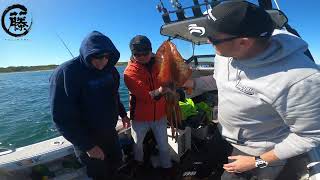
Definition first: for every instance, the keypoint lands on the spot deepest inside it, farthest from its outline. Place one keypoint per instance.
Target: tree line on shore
(38, 68)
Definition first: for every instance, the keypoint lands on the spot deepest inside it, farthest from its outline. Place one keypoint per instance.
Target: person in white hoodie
(269, 90)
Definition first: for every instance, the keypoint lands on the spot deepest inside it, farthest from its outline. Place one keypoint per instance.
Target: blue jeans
(139, 130)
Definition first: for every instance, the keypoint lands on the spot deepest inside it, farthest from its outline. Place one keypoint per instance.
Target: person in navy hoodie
(85, 105)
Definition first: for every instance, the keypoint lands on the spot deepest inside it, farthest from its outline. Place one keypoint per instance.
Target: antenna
(64, 44)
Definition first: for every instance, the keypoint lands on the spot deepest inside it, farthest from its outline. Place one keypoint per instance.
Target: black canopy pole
(267, 4)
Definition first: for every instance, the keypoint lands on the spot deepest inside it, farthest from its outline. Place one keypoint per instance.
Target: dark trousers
(268, 173)
(103, 169)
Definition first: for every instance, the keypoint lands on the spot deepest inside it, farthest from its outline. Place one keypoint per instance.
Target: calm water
(24, 108)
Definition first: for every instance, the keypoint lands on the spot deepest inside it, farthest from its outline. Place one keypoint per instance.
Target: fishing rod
(275, 1)
(65, 45)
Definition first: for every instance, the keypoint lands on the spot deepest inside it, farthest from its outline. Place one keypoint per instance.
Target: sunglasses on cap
(100, 56)
(141, 54)
(214, 41)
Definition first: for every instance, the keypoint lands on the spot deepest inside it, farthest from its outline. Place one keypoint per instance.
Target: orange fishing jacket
(140, 80)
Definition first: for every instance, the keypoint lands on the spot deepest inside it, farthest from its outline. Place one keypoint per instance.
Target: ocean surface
(24, 108)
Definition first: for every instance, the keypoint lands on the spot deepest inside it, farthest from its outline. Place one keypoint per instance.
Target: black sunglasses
(141, 54)
(100, 56)
(214, 41)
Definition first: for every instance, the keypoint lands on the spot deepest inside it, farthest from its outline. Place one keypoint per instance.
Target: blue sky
(120, 20)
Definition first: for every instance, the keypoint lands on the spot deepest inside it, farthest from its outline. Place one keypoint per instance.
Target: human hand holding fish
(161, 91)
(173, 73)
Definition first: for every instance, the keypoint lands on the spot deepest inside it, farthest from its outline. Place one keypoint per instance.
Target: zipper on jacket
(152, 87)
(229, 61)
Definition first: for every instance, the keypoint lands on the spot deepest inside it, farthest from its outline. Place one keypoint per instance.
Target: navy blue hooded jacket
(84, 100)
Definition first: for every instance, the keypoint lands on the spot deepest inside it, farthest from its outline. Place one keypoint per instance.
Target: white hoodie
(271, 101)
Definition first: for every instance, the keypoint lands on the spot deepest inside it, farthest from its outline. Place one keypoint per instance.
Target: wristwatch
(260, 163)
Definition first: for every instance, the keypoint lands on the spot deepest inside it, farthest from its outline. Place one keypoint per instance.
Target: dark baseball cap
(140, 44)
(239, 18)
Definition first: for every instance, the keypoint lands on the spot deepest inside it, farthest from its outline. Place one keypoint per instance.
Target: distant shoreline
(38, 68)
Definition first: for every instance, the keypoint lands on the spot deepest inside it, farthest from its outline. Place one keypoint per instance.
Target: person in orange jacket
(147, 107)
